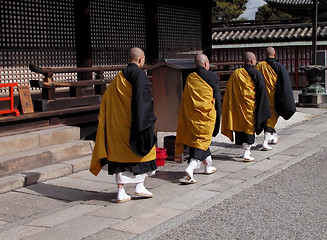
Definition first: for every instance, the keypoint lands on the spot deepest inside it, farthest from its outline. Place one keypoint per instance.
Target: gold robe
(270, 81)
(238, 105)
(197, 115)
(113, 133)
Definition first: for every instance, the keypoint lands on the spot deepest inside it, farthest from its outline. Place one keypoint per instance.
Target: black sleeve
(284, 99)
(142, 135)
(217, 96)
(262, 111)
(212, 79)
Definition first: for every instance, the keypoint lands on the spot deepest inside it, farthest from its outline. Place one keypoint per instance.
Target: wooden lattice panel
(180, 31)
(116, 26)
(39, 32)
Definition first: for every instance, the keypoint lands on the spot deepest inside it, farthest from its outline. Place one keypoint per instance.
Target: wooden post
(296, 68)
(83, 37)
(314, 32)
(151, 28)
(206, 6)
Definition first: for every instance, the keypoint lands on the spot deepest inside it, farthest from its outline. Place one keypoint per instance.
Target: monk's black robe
(284, 99)
(210, 91)
(125, 135)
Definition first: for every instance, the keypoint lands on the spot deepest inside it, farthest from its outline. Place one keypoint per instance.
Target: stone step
(28, 177)
(27, 140)
(43, 156)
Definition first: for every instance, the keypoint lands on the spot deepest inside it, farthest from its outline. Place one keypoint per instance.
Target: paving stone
(279, 157)
(245, 174)
(111, 234)
(158, 179)
(14, 211)
(21, 161)
(128, 209)
(146, 220)
(287, 142)
(63, 215)
(20, 232)
(70, 150)
(168, 191)
(104, 198)
(60, 193)
(15, 205)
(223, 185)
(59, 135)
(204, 179)
(294, 151)
(81, 163)
(3, 222)
(231, 166)
(261, 155)
(47, 172)
(25, 142)
(190, 199)
(320, 137)
(77, 228)
(9, 183)
(304, 135)
(103, 176)
(172, 166)
(318, 128)
(30, 200)
(81, 184)
(168, 176)
(265, 165)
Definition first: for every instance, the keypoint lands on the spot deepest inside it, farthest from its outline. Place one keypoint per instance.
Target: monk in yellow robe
(245, 106)
(125, 136)
(199, 117)
(280, 95)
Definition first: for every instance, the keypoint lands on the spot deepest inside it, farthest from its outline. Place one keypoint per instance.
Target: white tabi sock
(209, 161)
(194, 164)
(122, 194)
(139, 188)
(267, 137)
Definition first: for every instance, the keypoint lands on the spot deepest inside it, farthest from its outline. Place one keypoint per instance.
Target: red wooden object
(10, 98)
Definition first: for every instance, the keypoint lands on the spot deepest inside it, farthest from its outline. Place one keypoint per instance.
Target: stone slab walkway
(81, 206)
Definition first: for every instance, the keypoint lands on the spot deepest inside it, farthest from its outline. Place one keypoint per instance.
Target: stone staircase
(40, 154)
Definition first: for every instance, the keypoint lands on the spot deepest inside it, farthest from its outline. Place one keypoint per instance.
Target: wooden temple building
(48, 42)
(67, 51)
(292, 38)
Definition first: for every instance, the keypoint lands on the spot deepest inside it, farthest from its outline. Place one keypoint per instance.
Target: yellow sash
(197, 115)
(270, 81)
(238, 105)
(112, 140)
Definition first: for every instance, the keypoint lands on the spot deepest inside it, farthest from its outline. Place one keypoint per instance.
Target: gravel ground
(289, 205)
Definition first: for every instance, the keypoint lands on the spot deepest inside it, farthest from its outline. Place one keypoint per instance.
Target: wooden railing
(11, 109)
(77, 92)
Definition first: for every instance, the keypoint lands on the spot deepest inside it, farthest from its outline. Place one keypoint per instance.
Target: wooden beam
(83, 37)
(151, 29)
(314, 32)
(206, 6)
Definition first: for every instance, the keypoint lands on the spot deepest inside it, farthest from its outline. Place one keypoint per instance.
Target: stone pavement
(81, 206)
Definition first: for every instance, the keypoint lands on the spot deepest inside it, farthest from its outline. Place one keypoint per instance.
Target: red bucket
(161, 154)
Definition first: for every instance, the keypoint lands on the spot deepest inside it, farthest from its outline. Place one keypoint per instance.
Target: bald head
(249, 58)
(270, 52)
(201, 60)
(136, 55)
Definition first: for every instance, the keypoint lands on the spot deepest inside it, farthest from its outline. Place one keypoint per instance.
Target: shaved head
(249, 58)
(201, 60)
(270, 52)
(136, 55)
